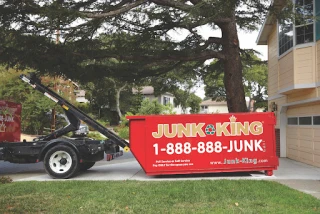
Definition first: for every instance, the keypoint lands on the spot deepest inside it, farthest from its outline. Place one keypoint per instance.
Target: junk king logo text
(232, 128)
(202, 130)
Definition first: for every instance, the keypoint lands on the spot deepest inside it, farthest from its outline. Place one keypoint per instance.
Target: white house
(164, 99)
(211, 106)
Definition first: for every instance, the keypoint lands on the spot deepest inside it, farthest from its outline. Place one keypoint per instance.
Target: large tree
(139, 37)
(255, 80)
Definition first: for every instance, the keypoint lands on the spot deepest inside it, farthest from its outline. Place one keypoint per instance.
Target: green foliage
(129, 40)
(149, 107)
(124, 121)
(35, 106)
(85, 107)
(96, 136)
(186, 99)
(194, 103)
(124, 132)
(105, 93)
(255, 79)
(136, 102)
(213, 80)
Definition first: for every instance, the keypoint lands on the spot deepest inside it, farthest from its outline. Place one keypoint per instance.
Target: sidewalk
(294, 174)
(299, 176)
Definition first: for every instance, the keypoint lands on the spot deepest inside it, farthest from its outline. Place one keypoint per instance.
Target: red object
(204, 143)
(10, 121)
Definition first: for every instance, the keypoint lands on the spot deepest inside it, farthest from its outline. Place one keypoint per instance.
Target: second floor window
(302, 31)
(304, 22)
(285, 36)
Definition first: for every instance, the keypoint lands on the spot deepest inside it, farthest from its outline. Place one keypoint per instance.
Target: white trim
(283, 132)
(316, 99)
(285, 53)
(305, 45)
(263, 25)
(299, 86)
(276, 97)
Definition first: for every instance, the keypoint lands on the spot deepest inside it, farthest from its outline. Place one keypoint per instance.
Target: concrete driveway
(294, 174)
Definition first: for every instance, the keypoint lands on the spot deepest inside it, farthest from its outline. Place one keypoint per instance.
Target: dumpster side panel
(183, 144)
(10, 121)
(137, 135)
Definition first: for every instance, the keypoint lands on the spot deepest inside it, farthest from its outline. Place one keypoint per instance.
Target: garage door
(303, 143)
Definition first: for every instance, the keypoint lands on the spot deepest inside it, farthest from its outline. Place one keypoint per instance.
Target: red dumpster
(10, 128)
(204, 143)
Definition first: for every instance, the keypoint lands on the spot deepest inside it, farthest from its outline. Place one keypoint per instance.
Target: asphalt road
(12, 169)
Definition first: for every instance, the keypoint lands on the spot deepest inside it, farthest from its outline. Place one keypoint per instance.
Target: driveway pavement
(294, 174)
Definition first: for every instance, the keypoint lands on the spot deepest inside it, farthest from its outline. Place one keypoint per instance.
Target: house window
(285, 35)
(292, 121)
(316, 120)
(304, 22)
(204, 108)
(302, 31)
(166, 100)
(305, 120)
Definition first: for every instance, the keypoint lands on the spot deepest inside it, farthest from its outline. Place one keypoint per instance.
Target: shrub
(154, 107)
(96, 136)
(124, 132)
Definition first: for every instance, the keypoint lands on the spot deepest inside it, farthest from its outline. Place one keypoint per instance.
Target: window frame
(302, 25)
(166, 100)
(278, 42)
(298, 123)
(295, 45)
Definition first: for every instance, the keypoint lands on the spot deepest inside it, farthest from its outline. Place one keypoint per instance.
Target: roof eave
(268, 24)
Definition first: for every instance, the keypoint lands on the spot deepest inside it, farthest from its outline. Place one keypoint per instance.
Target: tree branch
(194, 2)
(114, 12)
(176, 56)
(215, 40)
(174, 4)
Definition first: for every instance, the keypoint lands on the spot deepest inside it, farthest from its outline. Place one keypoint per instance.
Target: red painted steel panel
(203, 143)
(10, 121)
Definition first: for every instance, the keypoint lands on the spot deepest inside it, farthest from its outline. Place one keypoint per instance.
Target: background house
(164, 99)
(211, 106)
(294, 80)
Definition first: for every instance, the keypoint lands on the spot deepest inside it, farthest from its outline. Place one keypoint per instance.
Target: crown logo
(232, 118)
(2, 127)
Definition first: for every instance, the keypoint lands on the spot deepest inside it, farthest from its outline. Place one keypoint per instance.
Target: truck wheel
(86, 165)
(61, 161)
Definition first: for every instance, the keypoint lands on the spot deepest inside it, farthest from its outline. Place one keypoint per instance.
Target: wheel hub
(63, 161)
(60, 162)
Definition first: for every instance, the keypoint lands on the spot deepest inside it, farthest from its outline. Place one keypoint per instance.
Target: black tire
(86, 165)
(61, 161)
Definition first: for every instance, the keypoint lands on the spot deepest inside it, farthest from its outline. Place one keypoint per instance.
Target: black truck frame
(63, 157)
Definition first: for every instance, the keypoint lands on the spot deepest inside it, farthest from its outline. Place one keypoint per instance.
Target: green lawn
(203, 196)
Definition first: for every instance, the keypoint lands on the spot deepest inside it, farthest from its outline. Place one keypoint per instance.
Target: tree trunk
(233, 68)
(118, 91)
